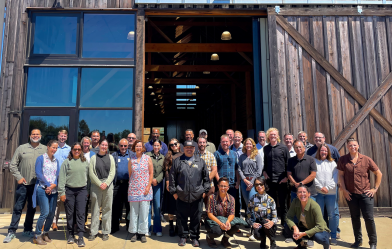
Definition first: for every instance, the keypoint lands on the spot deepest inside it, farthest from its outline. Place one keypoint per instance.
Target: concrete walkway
(240, 241)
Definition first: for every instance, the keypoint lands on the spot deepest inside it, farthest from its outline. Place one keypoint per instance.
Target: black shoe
(143, 238)
(356, 244)
(373, 246)
(71, 239)
(91, 237)
(105, 237)
(80, 242)
(273, 245)
(195, 243)
(133, 237)
(182, 242)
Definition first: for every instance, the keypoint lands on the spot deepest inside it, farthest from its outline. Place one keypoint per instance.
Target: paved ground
(240, 241)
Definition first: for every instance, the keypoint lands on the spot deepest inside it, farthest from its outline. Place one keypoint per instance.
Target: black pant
(23, 193)
(76, 199)
(262, 232)
(120, 198)
(193, 211)
(215, 231)
(362, 203)
(279, 192)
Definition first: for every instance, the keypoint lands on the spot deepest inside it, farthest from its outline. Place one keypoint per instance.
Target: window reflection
(111, 124)
(108, 36)
(51, 86)
(49, 126)
(55, 34)
(106, 87)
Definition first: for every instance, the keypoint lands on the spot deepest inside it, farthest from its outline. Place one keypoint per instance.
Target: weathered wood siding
(307, 98)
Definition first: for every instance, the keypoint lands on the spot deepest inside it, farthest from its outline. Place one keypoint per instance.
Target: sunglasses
(123, 145)
(259, 185)
(131, 138)
(175, 144)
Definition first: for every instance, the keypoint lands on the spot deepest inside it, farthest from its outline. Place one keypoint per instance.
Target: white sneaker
(148, 234)
(159, 234)
(252, 238)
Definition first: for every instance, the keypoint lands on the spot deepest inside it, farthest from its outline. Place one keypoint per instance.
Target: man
(288, 141)
(131, 139)
(261, 139)
(304, 138)
(210, 146)
(120, 188)
(189, 183)
(227, 163)
(230, 134)
(276, 156)
(189, 137)
(61, 154)
(95, 137)
(301, 169)
(22, 167)
(149, 145)
(210, 161)
(237, 144)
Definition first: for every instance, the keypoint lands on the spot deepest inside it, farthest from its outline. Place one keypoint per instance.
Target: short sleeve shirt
(356, 176)
(210, 161)
(301, 169)
(221, 208)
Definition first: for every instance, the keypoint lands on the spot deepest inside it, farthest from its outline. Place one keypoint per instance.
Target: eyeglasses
(223, 186)
(259, 185)
(77, 149)
(131, 138)
(175, 144)
(123, 145)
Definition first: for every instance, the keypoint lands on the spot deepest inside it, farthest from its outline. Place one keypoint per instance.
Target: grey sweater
(250, 167)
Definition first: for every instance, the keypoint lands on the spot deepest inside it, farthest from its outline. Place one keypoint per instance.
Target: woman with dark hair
(261, 214)
(311, 223)
(73, 190)
(220, 204)
(169, 203)
(47, 169)
(102, 170)
(326, 182)
(141, 173)
(157, 187)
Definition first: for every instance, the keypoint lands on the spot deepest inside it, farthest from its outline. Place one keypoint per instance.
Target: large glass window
(108, 35)
(106, 87)
(55, 34)
(49, 126)
(51, 86)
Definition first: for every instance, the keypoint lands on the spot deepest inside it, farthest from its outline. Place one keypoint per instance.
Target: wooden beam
(249, 113)
(139, 73)
(233, 107)
(363, 112)
(338, 11)
(159, 31)
(199, 47)
(186, 81)
(246, 58)
(198, 68)
(205, 12)
(202, 24)
(233, 80)
(332, 71)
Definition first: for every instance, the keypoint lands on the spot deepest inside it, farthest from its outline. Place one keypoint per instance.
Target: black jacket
(189, 182)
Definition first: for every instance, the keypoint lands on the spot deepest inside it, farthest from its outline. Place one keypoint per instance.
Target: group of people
(179, 178)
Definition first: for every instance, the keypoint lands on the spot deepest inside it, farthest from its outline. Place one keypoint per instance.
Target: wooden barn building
(130, 65)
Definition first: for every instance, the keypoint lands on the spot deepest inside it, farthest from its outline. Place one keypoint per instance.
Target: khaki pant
(101, 199)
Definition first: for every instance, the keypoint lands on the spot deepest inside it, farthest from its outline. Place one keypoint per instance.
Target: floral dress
(49, 169)
(139, 180)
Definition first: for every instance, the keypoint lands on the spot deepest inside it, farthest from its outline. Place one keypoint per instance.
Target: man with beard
(210, 146)
(189, 137)
(149, 145)
(22, 167)
(95, 137)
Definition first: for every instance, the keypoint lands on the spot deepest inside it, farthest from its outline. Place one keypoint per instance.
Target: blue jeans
(247, 194)
(156, 202)
(329, 202)
(337, 209)
(47, 204)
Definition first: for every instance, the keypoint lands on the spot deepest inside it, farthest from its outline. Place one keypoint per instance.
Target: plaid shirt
(227, 164)
(221, 208)
(210, 161)
(261, 206)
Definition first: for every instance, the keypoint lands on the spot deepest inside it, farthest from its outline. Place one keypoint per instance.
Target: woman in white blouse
(326, 185)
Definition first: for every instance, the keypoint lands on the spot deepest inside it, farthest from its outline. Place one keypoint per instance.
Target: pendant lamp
(226, 36)
(215, 57)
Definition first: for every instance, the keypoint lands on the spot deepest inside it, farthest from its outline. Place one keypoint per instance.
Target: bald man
(149, 145)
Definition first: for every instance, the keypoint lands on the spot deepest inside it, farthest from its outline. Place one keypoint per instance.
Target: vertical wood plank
(126, 3)
(233, 107)
(113, 3)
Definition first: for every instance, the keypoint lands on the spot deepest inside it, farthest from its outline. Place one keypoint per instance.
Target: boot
(171, 229)
(38, 240)
(273, 245)
(225, 242)
(46, 237)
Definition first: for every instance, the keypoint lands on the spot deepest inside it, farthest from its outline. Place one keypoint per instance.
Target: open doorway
(186, 88)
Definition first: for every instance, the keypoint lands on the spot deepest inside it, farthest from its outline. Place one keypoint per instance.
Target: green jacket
(158, 165)
(313, 216)
(93, 173)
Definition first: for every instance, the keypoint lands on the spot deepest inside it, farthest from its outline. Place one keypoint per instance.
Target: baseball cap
(202, 130)
(188, 143)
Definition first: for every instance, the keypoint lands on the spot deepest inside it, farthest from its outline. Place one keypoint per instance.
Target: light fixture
(197, 87)
(193, 94)
(215, 57)
(226, 36)
(156, 104)
(206, 72)
(155, 99)
(146, 72)
(159, 96)
(150, 87)
(131, 35)
(152, 93)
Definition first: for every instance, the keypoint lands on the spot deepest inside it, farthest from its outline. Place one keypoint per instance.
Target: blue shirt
(334, 152)
(122, 166)
(149, 147)
(62, 153)
(237, 151)
(227, 164)
(259, 146)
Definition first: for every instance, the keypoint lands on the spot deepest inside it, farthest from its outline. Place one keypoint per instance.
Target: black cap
(188, 143)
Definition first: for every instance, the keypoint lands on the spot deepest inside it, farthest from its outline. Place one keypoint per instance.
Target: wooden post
(249, 114)
(233, 108)
(139, 75)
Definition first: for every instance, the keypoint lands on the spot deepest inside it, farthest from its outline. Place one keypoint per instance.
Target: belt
(249, 178)
(121, 181)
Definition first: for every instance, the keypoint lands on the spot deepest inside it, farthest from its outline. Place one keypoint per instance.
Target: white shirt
(292, 152)
(327, 176)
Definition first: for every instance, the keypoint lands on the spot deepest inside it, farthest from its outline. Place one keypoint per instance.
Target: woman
(220, 204)
(311, 225)
(326, 184)
(261, 214)
(157, 187)
(86, 146)
(47, 169)
(354, 182)
(102, 170)
(250, 166)
(169, 203)
(73, 190)
(141, 173)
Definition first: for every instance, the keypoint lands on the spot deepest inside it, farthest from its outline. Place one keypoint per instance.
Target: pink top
(139, 180)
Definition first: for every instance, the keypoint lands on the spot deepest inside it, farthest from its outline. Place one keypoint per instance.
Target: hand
(103, 186)
(324, 190)
(347, 195)
(147, 190)
(204, 195)
(167, 186)
(371, 192)
(265, 175)
(228, 225)
(48, 190)
(246, 182)
(154, 182)
(284, 180)
(299, 236)
(63, 198)
(296, 184)
(175, 196)
(22, 181)
(256, 225)
(237, 185)
(222, 226)
(52, 185)
(295, 232)
(269, 224)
